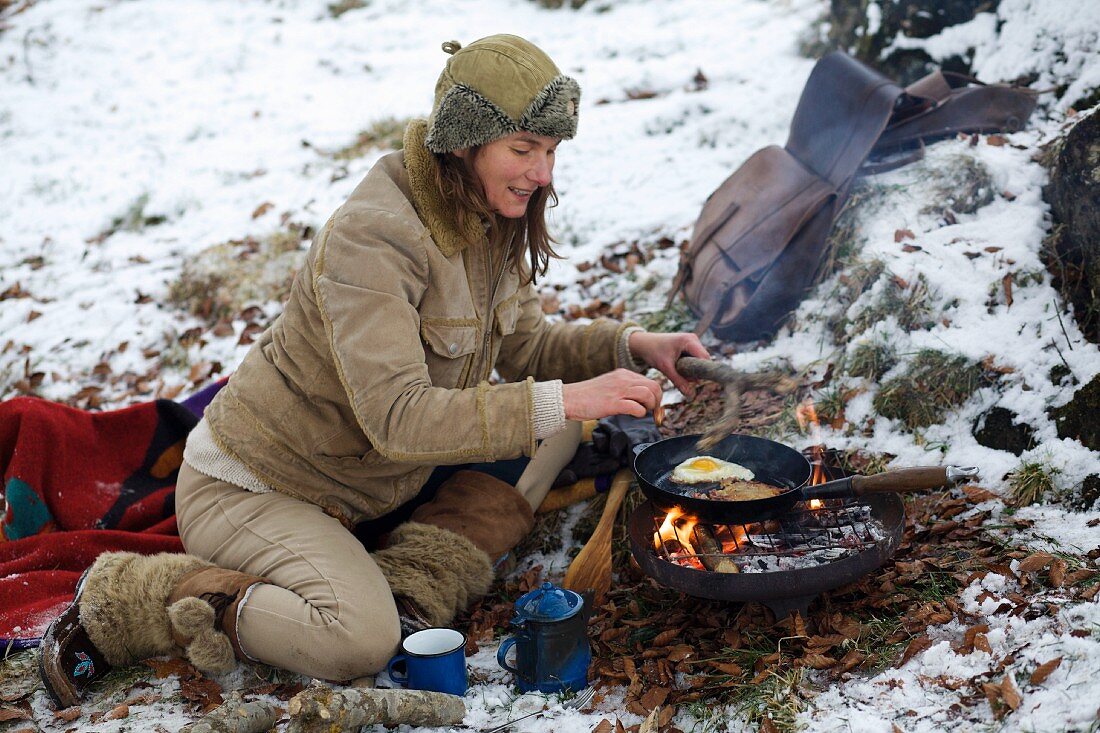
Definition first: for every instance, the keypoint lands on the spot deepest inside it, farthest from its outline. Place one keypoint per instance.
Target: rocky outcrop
(999, 429)
(1077, 418)
(866, 28)
(1073, 249)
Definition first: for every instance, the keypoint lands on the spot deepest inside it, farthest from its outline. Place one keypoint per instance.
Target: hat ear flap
(464, 119)
(553, 112)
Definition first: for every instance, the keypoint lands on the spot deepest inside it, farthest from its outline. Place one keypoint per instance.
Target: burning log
(710, 547)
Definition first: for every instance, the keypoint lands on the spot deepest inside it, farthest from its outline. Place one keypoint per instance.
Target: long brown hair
(526, 240)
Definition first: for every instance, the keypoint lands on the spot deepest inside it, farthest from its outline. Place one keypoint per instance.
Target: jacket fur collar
(438, 215)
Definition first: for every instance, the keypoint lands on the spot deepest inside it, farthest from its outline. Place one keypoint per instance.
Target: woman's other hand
(621, 392)
(661, 350)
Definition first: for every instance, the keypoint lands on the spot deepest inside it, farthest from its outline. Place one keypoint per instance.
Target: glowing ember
(816, 503)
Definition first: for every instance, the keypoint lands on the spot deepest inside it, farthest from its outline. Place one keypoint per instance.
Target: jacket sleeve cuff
(626, 359)
(549, 408)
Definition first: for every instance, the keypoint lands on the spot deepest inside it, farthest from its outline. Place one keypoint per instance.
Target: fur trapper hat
(496, 86)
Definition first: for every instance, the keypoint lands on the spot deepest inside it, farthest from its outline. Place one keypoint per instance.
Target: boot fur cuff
(438, 570)
(123, 604)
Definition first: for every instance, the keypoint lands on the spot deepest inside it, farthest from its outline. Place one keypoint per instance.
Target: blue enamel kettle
(551, 641)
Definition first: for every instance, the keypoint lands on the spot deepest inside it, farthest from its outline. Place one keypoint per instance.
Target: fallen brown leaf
(767, 726)
(649, 725)
(8, 712)
(654, 697)
(663, 638)
(1006, 283)
(680, 652)
(604, 726)
(118, 713)
(818, 661)
(851, 660)
(203, 692)
(68, 714)
(916, 646)
(1009, 693)
(729, 668)
(1035, 562)
(900, 234)
(1058, 573)
(174, 666)
(1044, 670)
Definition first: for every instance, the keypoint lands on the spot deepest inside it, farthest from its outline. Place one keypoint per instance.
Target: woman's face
(512, 168)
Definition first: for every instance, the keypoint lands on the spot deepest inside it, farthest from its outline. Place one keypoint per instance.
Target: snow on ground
(193, 113)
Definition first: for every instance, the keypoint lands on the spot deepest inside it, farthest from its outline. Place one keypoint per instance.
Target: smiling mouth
(522, 193)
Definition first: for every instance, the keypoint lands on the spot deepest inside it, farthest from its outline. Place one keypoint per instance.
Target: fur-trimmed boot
(443, 558)
(129, 607)
(433, 574)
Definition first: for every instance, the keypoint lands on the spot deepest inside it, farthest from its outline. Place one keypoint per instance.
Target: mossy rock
(1077, 418)
(1073, 250)
(999, 429)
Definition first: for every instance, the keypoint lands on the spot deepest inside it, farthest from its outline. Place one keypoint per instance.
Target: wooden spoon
(591, 568)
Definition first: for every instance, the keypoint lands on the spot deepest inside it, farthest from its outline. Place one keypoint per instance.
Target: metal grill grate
(839, 528)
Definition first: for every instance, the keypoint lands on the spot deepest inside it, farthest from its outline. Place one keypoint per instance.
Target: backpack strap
(960, 103)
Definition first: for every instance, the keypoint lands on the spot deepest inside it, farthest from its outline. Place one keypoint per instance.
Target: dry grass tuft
(339, 8)
(933, 383)
(1031, 482)
(221, 281)
(962, 186)
(385, 134)
(912, 305)
(555, 4)
(870, 360)
(677, 317)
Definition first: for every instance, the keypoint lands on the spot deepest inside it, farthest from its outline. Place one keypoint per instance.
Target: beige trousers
(327, 612)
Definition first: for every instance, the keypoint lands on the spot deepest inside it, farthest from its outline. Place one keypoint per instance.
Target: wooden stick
(733, 383)
(591, 568)
(710, 547)
(319, 708)
(236, 716)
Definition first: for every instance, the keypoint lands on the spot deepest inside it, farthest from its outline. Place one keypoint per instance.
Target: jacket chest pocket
(506, 315)
(450, 350)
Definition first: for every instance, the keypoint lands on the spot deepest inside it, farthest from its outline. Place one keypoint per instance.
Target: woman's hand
(621, 392)
(661, 350)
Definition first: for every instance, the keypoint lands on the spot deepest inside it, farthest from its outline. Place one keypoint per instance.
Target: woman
(376, 375)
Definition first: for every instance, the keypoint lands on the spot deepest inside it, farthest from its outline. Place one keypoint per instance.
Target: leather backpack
(761, 236)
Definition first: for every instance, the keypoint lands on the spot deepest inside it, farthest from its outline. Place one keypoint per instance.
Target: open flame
(676, 531)
(806, 416)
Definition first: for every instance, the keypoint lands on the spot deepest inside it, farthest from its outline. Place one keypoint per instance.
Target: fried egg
(700, 469)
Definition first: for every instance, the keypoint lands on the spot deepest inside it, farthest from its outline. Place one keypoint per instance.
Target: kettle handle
(502, 652)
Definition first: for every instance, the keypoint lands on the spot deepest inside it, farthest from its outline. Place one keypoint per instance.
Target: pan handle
(912, 479)
(893, 482)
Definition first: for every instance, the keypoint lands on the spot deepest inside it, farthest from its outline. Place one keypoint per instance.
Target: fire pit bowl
(781, 590)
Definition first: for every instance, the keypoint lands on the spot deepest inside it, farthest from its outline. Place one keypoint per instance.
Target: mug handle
(502, 652)
(400, 679)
